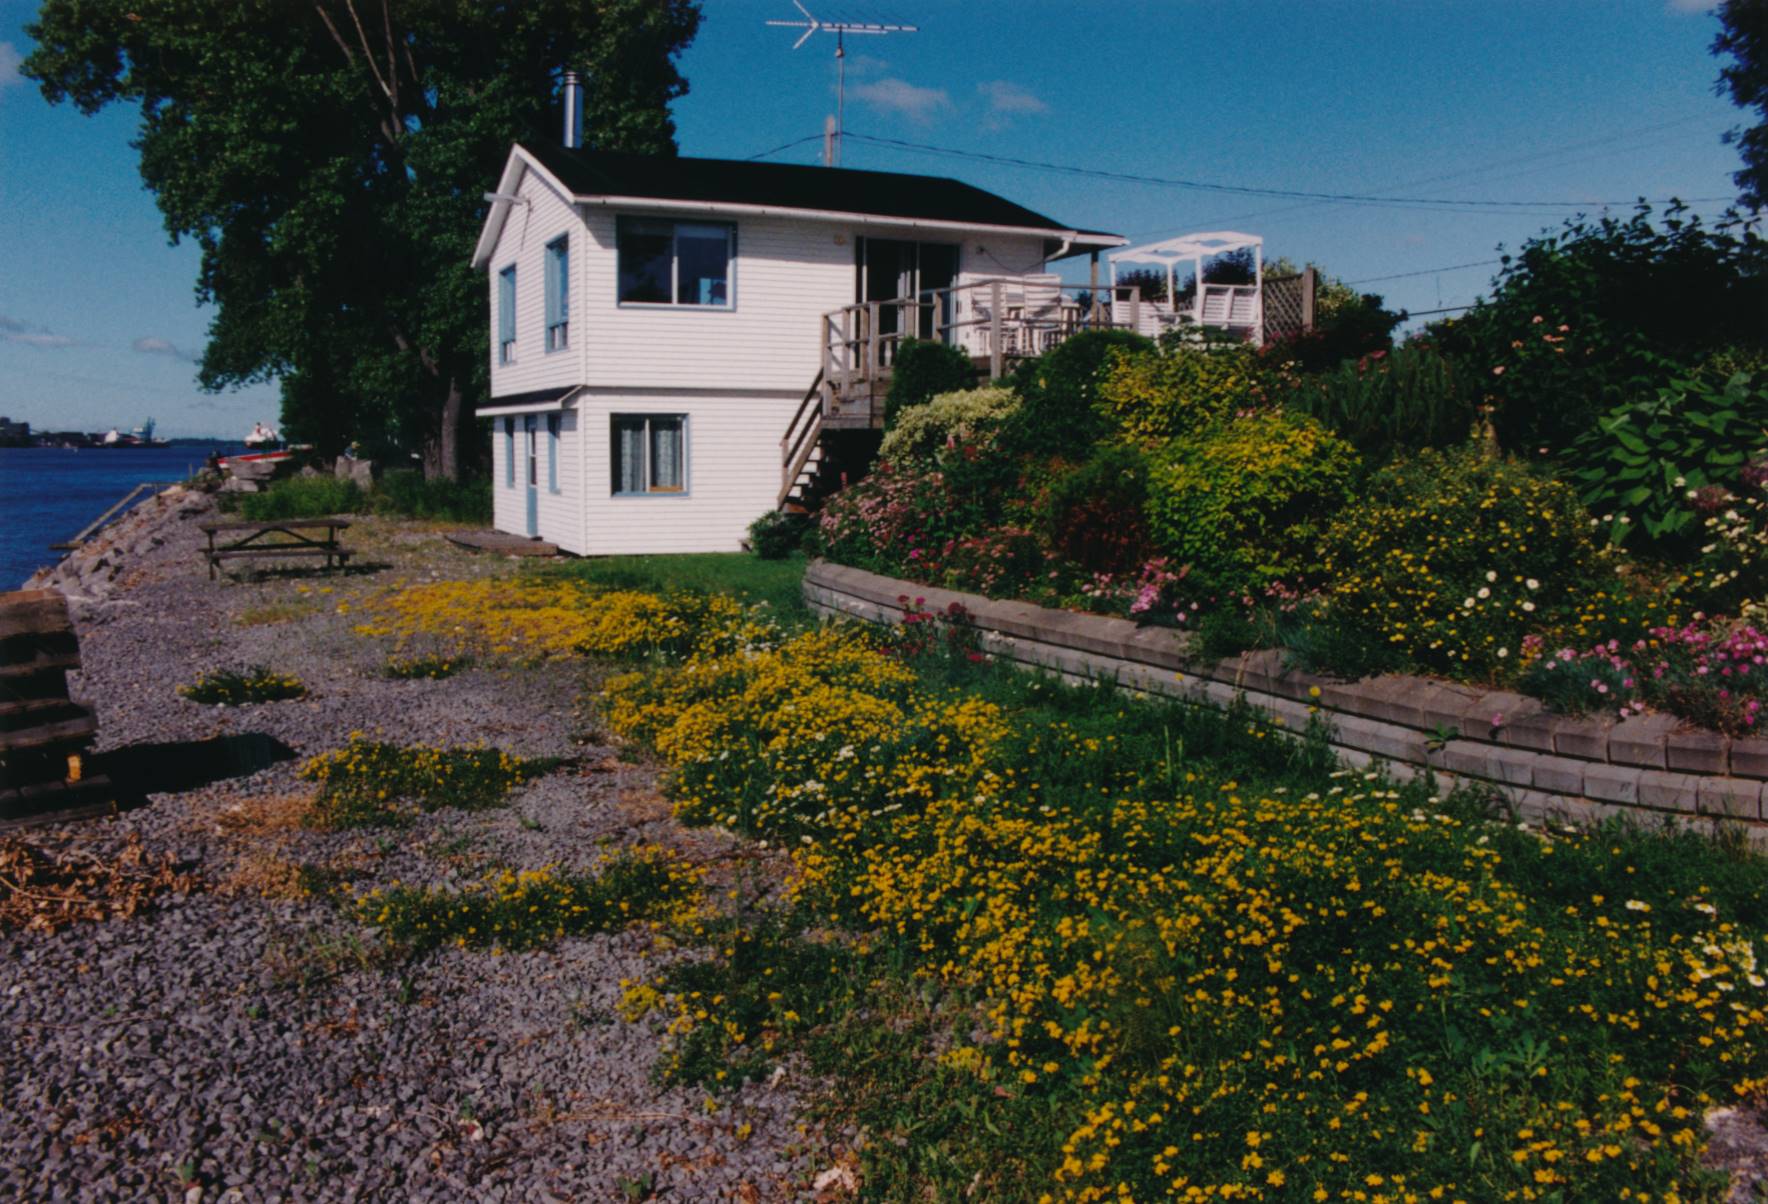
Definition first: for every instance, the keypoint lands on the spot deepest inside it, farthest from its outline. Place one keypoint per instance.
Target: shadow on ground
(138, 770)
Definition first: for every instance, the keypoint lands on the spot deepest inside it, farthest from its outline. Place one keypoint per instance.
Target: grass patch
(370, 783)
(238, 687)
(778, 583)
(402, 493)
(511, 910)
(433, 668)
(269, 614)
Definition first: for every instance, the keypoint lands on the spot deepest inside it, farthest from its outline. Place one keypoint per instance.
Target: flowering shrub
(1156, 397)
(1315, 986)
(434, 668)
(511, 909)
(1094, 517)
(537, 617)
(923, 431)
(370, 782)
(1735, 556)
(1007, 562)
(1387, 403)
(1454, 558)
(1715, 678)
(238, 687)
(1244, 503)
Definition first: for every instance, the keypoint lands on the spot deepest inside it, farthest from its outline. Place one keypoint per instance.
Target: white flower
(1532, 583)
(1528, 606)
(1484, 592)
(1637, 905)
(1467, 602)
(1503, 652)
(1680, 482)
(1491, 575)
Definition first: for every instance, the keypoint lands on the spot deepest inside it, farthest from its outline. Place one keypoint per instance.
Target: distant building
(14, 434)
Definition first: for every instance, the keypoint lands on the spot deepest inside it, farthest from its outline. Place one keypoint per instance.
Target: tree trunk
(442, 449)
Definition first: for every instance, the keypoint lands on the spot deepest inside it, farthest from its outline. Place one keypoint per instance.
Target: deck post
(846, 354)
(1136, 306)
(873, 359)
(1093, 291)
(1309, 282)
(995, 357)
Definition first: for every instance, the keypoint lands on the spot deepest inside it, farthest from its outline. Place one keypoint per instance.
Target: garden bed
(1547, 765)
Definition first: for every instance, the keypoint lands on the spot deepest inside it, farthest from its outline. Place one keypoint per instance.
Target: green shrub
(303, 497)
(1586, 317)
(777, 534)
(1453, 558)
(1059, 389)
(237, 687)
(407, 494)
(1243, 502)
(1168, 395)
(1389, 403)
(922, 371)
(922, 431)
(1638, 467)
(1095, 516)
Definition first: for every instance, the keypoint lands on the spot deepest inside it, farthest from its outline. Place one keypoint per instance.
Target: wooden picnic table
(297, 538)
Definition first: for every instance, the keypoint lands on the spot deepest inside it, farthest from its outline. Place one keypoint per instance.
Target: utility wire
(1480, 263)
(784, 146)
(1348, 198)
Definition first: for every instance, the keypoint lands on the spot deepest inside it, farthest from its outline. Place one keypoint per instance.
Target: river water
(49, 493)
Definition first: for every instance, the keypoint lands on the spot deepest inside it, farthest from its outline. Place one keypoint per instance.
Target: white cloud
(920, 105)
(23, 333)
(152, 346)
(1011, 99)
(10, 59)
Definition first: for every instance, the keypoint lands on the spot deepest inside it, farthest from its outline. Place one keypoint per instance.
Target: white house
(675, 342)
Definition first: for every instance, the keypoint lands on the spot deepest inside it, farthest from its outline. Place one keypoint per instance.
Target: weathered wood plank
(36, 612)
(75, 731)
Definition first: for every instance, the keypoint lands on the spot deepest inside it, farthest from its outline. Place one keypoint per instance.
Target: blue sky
(1513, 100)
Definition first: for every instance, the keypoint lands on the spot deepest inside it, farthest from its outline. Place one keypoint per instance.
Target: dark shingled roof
(786, 186)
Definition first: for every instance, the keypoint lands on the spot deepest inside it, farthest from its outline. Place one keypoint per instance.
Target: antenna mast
(811, 25)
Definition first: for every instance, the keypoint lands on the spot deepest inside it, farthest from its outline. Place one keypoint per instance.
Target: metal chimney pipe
(573, 111)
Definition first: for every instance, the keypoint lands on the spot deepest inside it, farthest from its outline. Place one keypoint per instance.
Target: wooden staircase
(831, 439)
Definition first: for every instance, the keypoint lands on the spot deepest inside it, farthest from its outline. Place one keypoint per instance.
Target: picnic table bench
(298, 537)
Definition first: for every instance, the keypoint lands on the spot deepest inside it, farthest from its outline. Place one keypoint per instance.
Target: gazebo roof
(1187, 246)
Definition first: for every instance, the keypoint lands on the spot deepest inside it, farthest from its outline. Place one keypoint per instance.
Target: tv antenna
(812, 26)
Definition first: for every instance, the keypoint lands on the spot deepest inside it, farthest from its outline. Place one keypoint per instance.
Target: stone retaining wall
(1548, 766)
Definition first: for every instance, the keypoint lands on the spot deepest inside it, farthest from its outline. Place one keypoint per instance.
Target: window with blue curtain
(649, 454)
(509, 453)
(558, 294)
(506, 315)
(552, 453)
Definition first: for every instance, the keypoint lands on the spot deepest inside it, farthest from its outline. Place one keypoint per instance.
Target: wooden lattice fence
(1289, 305)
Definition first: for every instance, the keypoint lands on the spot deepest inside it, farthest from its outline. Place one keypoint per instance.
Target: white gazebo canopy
(1195, 249)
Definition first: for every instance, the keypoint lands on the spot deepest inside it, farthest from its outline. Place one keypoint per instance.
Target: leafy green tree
(1743, 35)
(330, 159)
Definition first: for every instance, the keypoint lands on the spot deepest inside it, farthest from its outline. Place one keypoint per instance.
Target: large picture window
(675, 263)
(650, 454)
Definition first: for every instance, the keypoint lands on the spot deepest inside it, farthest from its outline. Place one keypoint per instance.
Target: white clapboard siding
(561, 513)
(523, 242)
(507, 502)
(733, 471)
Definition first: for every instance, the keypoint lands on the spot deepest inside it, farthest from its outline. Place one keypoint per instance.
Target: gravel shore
(242, 1043)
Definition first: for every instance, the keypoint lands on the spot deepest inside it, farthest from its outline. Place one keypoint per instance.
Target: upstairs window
(558, 294)
(675, 263)
(650, 454)
(506, 315)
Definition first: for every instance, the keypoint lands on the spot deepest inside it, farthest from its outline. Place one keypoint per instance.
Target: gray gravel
(233, 1046)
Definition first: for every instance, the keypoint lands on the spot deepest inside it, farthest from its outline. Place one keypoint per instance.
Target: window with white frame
(506, 315)
(666, 262)
(650, 454)
(558, 294)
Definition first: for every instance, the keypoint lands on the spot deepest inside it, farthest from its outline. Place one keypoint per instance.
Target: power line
(1447, 309)
(1343, 198)
(785, 146)
(1480, 263)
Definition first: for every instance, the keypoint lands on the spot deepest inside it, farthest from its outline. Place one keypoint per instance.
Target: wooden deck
(502, 542)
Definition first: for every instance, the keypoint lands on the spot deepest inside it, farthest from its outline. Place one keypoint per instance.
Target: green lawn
(775, 582)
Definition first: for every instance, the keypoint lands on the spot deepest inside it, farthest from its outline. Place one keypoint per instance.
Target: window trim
(506, 347)
(554, 428)
(687, 480)
(621, 221)
(558, 271)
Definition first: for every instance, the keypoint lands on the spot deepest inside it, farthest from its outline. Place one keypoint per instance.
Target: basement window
(650, 454)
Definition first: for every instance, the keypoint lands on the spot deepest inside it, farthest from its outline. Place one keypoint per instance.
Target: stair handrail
(799, 441)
